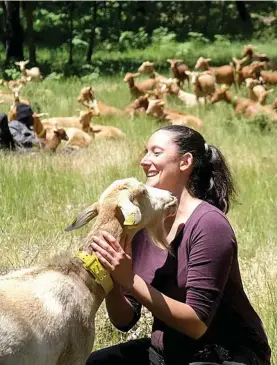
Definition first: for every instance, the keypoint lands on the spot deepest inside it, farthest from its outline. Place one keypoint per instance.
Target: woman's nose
(145, 161)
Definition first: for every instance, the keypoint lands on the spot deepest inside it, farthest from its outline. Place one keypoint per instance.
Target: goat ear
(86, 216)
(131, 213)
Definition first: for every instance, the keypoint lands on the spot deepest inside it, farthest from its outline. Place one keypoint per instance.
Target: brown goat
(135, 90)
(87, 98)
(251, 71)
(223, 74)
(256, 90)
(148, 68)
(179, 71)
(156, 108)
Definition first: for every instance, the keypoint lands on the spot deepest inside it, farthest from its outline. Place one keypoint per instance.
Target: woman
(201, 312)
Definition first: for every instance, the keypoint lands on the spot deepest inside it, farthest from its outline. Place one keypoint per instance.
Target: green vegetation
(41, 193)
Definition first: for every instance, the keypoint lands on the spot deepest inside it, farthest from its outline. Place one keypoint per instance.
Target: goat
(87, 98)
(257, 91)
(239, 104)
(223, 74)
(148, 68)
(139, 105)
(203, 84)
(243, 72)
(53, 138)
(33, 74)
(82, 121)
(14, 97)
(179, 71)
(78, 138)
(135, 90)
(156, 108)
(251, 55)
(107, 132)
(269, 77)
(47, 312)
(188, 99)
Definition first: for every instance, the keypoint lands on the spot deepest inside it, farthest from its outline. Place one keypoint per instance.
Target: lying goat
(47, 312)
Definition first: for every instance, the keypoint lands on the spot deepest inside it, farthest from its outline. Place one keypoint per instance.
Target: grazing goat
(148, 68)
(203, 84)
(223, 74)
(33, 74)
(47, 312)
(257, 91)
(156, 108)
(87, 98)
(188, 99)
(82, 121)
(179, 71)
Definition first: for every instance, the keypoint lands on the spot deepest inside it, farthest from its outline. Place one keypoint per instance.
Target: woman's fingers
(113, 242)
(104, 262)
(102, 248)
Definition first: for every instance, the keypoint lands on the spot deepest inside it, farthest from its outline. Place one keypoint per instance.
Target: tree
(28, 8)
(247, 25)
(92, 33)
(14, 40)
(71, 11)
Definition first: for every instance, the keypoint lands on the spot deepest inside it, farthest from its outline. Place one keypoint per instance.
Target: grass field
(41, 193)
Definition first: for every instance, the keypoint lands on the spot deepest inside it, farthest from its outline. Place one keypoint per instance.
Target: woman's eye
(157, 153)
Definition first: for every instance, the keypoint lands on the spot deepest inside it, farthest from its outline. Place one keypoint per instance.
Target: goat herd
(209, 84)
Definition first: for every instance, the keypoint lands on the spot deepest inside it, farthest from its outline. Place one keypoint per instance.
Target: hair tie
(206, 147)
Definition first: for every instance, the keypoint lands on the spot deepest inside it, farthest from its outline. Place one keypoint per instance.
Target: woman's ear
(186, 161)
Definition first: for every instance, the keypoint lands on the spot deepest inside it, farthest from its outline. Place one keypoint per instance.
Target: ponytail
(210, 179)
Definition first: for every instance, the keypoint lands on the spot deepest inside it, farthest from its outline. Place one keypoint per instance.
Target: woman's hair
(210, 179)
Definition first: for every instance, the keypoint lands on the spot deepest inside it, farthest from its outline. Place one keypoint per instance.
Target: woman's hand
(112, 256)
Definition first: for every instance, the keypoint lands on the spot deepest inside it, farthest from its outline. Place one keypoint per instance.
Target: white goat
(47, 312)
(32, 74)
(171, 86)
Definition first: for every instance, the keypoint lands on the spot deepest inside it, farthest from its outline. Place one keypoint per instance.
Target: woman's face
(162, 162)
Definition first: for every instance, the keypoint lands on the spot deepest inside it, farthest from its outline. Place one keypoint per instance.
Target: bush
(163, 36)
(130, 40)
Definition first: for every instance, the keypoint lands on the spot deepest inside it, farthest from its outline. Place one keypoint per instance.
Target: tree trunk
(3, 27)
(247, 25)
(92, 34)
(29, 7)
(14, 44)
(207, 12)
(71, 10)
(223, 11)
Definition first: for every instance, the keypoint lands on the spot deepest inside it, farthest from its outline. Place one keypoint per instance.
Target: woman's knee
(134, 352)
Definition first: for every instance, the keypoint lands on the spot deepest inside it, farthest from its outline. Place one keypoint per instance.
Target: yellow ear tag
(130, 220)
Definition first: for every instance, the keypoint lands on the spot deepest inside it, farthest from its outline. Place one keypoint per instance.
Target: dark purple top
(203, 271)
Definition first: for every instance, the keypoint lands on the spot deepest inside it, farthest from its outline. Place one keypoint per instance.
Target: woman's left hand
(112, 256)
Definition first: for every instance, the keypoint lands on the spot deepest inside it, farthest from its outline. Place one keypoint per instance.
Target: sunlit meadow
(41, 193)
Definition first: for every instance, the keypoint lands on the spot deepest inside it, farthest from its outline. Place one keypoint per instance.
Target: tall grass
(40, 194)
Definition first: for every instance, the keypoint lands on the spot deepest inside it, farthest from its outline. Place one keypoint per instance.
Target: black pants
(135, 352)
